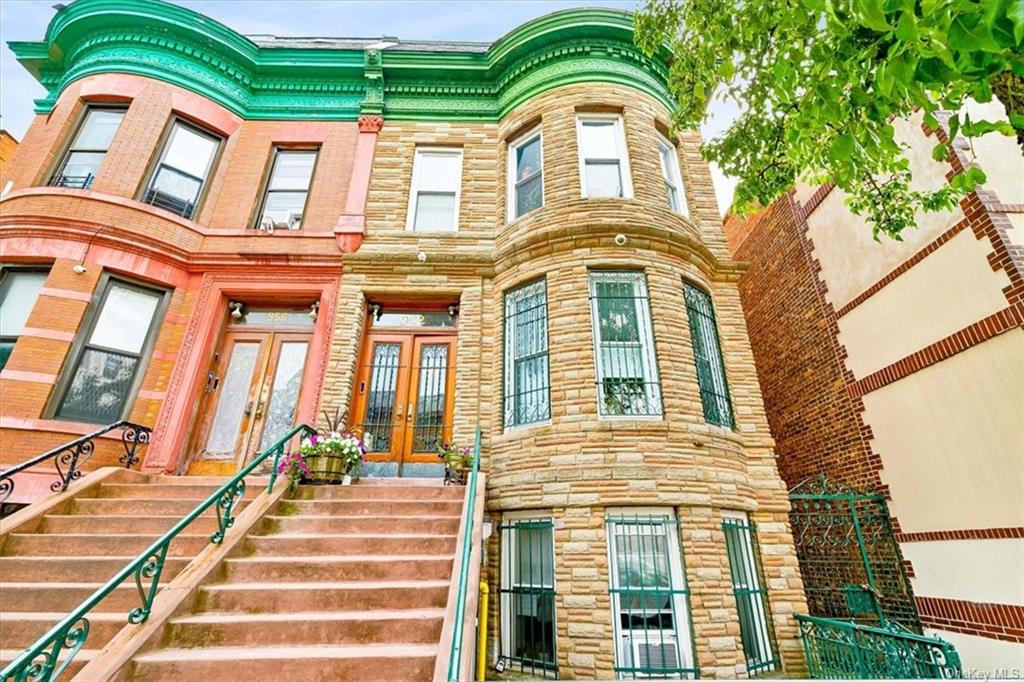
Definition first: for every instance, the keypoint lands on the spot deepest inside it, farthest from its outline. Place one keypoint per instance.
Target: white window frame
(505, 579)
(414, 188)
(513, 146)
(680, 602)
(621, 149)
(754, 568)
(511, 387)
(673, 175)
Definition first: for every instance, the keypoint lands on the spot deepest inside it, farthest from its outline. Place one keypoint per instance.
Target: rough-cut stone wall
(578, 466)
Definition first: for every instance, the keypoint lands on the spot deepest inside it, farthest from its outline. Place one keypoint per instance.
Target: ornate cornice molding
(164, 41)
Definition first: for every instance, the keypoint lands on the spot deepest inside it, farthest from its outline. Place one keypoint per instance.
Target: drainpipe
(481, 636)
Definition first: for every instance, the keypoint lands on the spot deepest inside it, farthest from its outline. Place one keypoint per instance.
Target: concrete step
(243, 597)
(23, 629)
(318, 544)
(80, 659)
(340, 525)
(139, 507)
(64, 596)
(327, 568)
(355, 663)
(99, 524)
(69, 569)
(47, 544)
(380, 492)
(369, 507)
(156, 490)
(302, 628)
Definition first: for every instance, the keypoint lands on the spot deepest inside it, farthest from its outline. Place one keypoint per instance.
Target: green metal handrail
(455, 654)
(837, 649)
(71, 632)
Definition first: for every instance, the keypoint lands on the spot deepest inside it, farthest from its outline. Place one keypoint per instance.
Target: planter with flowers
(457, 463)
(334, 457)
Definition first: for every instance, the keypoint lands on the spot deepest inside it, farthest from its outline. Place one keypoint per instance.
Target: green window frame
(527, 373)
(19, 291)
(707, 353)
(748, 586)
(110, 353)
(628, 384)
(653, 632)
(527, 594)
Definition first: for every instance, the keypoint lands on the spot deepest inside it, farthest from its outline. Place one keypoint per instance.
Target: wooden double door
(405, 395)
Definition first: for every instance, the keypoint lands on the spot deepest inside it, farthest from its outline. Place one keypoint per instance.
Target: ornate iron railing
(68, 458)
(455, 653)
(838, 649)
(42, 662)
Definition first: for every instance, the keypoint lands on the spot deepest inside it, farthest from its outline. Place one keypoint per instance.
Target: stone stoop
(53, 562)
(341, 583)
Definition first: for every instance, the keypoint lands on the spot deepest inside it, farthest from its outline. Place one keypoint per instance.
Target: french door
(404, 395)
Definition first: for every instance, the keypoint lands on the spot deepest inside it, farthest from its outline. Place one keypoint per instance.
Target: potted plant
(295, 469)
(457, 462)
(334, 456)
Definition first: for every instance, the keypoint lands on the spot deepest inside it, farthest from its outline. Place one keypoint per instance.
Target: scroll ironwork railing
(837, 649)
(68, 458)
(42, 662)
(455, 653)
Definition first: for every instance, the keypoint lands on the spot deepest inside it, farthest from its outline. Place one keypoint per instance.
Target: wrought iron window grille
(749, 588)
(527, 375)
(707, 352)
(527, 592)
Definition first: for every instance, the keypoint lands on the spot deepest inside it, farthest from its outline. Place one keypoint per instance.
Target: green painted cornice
(338, 79)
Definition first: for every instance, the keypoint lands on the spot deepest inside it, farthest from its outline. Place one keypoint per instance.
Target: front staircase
(49, 565)
(342, 583)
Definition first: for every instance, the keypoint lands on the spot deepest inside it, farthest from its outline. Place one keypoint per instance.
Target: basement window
(751, 595)
(528, 594)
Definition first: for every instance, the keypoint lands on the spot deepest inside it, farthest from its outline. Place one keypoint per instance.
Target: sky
(475, 20)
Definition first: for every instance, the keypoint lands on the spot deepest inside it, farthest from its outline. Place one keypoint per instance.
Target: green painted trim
(167, 42)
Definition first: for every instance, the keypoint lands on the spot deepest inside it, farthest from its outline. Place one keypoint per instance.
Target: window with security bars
(751, 594)
(183, 169)
(528, 595)
(107, 364)
(707, 352)
(627, 371)
(527, 376)
(88, 148)
(650, 599)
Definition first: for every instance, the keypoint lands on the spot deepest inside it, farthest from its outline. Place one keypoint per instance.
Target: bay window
(604, 163)
(527, 377)
(284, 200)
(627, 371)
(650, 609)
(110, 354)
(436, 186)
(525, 175)
(19, 289)
(88, 148)
(672, 176)
(183, 169)
(707, 353)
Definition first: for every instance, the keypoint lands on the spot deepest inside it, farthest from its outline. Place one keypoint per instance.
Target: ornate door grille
(851, 563)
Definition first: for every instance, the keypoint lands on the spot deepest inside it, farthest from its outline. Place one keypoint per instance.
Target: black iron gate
(851, 563)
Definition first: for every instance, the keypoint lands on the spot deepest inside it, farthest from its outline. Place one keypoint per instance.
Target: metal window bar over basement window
(748, 586)
(707, 351)
(527, 376)
(650, 598)
(627, 370)
(528, 597)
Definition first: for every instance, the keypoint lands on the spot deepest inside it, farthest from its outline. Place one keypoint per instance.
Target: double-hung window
(284, 201)
(707, 352)
(528, 594)
(110, 356)
(183, 169)
(527, 379)
(87, 149)
(650, 599)
(627, 371)
(751, 596)
(525, 175)
(672, 176)
(436, 186)
(604, 163)
(19, 290)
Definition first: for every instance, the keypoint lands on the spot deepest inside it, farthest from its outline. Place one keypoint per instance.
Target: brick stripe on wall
(982, 330)
(995, 621)
(964, 534)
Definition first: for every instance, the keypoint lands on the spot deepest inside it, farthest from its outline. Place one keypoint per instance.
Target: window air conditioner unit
(267, 225)
(652, 650)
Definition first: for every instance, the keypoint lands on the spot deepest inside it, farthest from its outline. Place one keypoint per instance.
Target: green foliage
(820, 81)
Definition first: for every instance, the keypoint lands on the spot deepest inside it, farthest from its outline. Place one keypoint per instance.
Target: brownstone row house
(897, 369)
(219, 237)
